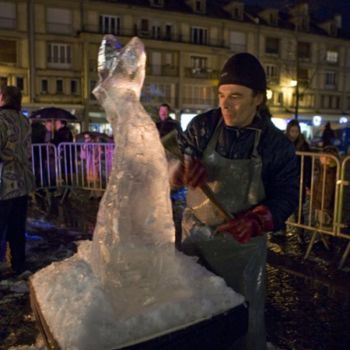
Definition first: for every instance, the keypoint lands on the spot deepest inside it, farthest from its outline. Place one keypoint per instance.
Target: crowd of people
(234, 152)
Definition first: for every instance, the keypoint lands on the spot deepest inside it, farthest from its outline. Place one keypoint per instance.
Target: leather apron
(238, 185)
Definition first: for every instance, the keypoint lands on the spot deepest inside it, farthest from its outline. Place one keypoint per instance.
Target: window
(199, 95)
(59, 86)
(168, 32)
(332, 56)
(303, 24)
(199, 35)
(59, 20)
(303, 77)
(158, 93)
(20, 83)
(8, 15)
(330, 101)
(271, 72)
(168, 58)
(92, 86)
(74, 87)
(272, 46)
(330, 79)
(59, 54)
(44, 86)
(109, 24)
(199, 6)
(144, 27)
(237, 42)
(273, 18)
(198, 63)
(305, 100)
(156, 32)
(304, 50)
(8, 51)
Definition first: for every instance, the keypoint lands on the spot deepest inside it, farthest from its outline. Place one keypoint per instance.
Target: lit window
(332, 56)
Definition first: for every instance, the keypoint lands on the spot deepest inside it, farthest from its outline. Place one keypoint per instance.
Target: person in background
(62, 133)
(166, 125)
(293, 132)
(251, 168)
(90, 155)
(328, 135)
(65, 152)
(17, 180)
(324, 189)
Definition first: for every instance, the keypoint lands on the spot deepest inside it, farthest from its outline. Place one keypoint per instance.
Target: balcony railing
(147, 34)
(201, 73)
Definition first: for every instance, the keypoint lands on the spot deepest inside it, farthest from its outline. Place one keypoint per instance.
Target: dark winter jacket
(62, 135)
(166, 126)
(15, 151)
(280, 167)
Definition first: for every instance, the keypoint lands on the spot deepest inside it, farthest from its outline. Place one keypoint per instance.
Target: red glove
(249, 224)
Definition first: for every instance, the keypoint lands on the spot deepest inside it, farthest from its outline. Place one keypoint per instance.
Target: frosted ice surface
(129, 283)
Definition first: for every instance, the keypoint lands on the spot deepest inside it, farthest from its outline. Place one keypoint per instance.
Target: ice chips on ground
(81, 315)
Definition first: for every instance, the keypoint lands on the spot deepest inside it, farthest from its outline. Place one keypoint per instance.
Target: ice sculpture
(129, 283)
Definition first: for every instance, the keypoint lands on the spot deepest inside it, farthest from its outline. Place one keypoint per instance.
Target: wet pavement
(308, 302)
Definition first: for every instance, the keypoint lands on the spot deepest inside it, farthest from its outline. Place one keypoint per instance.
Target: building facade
(49, 48)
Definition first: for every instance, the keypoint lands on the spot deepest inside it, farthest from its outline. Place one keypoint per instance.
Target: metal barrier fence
(85, 165)
(324, 197)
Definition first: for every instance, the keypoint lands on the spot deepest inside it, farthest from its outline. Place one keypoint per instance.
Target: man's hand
(191, 172)
(195, 173)
(249, 224)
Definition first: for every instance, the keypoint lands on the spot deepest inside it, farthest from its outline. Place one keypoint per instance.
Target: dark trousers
(13, 215)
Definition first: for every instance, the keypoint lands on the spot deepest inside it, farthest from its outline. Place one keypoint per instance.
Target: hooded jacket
(279, 169)
(15, 151)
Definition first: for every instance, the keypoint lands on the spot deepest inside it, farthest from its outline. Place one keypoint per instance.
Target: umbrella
(52, 113)
(95, 135)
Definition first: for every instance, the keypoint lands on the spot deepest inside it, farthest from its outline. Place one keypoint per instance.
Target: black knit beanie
(243, 69)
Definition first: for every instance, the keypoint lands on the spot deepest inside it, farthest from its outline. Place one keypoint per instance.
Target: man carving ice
(251, 167)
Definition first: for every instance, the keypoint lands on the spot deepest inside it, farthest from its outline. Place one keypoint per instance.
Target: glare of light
(317, 120)
(343, 120)
(185, 119)
(279, 123)
(293, 83)
(269, 94)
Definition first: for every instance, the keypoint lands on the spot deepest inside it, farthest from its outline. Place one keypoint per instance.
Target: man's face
(163, 112)
(238, 105)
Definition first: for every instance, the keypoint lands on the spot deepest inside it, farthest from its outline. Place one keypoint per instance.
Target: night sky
(321, 9)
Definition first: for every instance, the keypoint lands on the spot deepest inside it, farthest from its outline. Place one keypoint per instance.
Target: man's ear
(259, 98)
